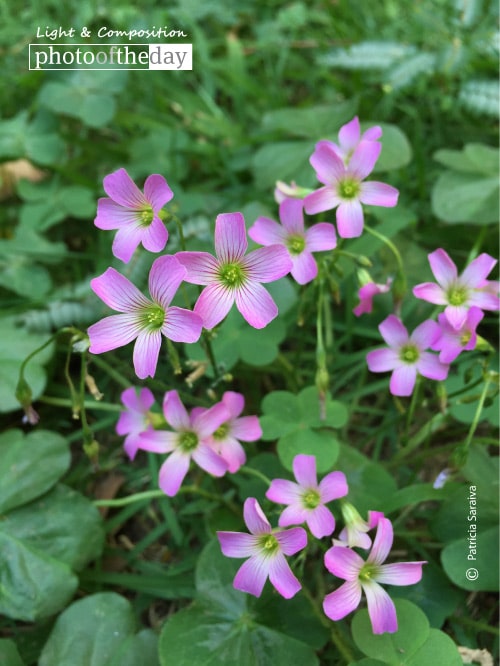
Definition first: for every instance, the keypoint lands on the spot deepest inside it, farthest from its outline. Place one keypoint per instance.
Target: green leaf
(23, 277)
(283, 160)
(322, 445)
(474, 158)
(437, 649)
(336, 413)
(9, 656)
(472, 562)
(422, 492)
(31, 464)
(464, 198)
(312, 123)
(396, 149)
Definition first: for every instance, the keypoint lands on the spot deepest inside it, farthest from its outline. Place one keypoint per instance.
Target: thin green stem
(479, 409)
(251, 471)
(156, 494)
(114, 374)
(389, 244)
(413, 405)
(480, 626)
(64, 402)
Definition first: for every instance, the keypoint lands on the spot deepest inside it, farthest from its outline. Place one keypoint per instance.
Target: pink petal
(402, 573)
(326, 198)
(182, 325)
(425, 334)
(138, 402)
(430, 292)
(321, 237)
(158, 441)
(291, 541)
(304, 267)
(292, 215)
(304, 469)
(146, 352)
(157, 191)
(328, 166)
(477, 271)
(343, 563)
(381, 609)
(267, 264)
(321, 522)
(456, 315)
(207, 422)
(484, 300)
(295, 514)
(238, 544)
(247, 428)
(363, 159)
(255, 518)
(267, 232)
(283, 491)
(333, 486)
(372, 133)
(443, 268)
(201, 266)
(113, 332)
(234, 402)
(429, 366)
(175, 413)
(255, 304)
(118, 293)
(213, 304)
(126, 241)
(154, 236)
(131, 445)
(349, 135)
(393, 331)
(382, 543)
(173, 472)
(111, 215)
(165, 278)
(403, 380)
(208, 460)
(232, 452)
(230, 237)
(122, 189)
(350, 219)
(374, 193)
(282, 578)
(343, 601)
(382, 360)
(252, 575)
(130, 422)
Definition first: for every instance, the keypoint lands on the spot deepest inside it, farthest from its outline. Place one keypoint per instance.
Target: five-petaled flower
(137, 216)
(459, 292)
(306, 499)
(361, 575)
(344, 186)
(141, 318)
(190, 439)
(452, 340)
(135, 419)
(232, 276)
(266, 549)
(350, 137)
(406, 355)
(298, 241)
(366, 294)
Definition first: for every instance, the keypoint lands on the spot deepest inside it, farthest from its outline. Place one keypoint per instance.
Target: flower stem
(156, 494)
(389, 244)
(251, 471)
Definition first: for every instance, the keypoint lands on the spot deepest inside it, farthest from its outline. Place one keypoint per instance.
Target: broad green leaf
(315, 122)
(396, 149)
(321, 444)
(45, 149)
(437, 649)
(22, 276)
(472, 562)
(9, 656)
(466, 198)
(451, 518)
(139, 649)
(422, 492)
(283, 160)
(310, 407)
(463, 407)
(31, 464)
(474, 158)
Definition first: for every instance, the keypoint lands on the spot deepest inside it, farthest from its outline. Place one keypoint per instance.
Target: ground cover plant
(249, 369)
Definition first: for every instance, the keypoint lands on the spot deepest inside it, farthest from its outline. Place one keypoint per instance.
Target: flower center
(311, 499)
(269, 544)
(465, 338)
(154, 318)
(146, 216)
(457, 295)
(296, 243)
(232, 275)
(221, 432)
(188, 441)
(409, 354)
(348, 188)
(368, 572)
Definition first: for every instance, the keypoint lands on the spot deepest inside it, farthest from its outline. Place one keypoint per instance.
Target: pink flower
(459, 292)
(134, 420)
(344, 187)
(142, 319)
(233, 277)
(137, 216)
(355, 530)
(306, 499)
(266, 549)
(225, 440)
(366, 294)
(190, 439)
(298, 242)
(361, 575)
(452, 341)
(350, 137)
(406, 355)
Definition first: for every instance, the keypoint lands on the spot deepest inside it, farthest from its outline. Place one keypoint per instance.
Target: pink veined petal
(328, 165)
(401, 573)
(443, 268)
(456, 315)
(113, 332)
(175, 413)
(255, 304)
(477, 271)
(484, 300)
(138, 402)
(131, 445)
(267, 264)
(304, 469)
(130, 422)
(165, 277)
(247, 428)
(403, 380)
(321, 522)
(267, 232)
(428, 365)
(201, 267)
(207, 422)
(292, 215)
(157, 191)
(155, 236)
(342, 601)
(393, 331)
(213, 304)
(126, 241)
(252, 575)
(294, 514)
(182, 325)
(173, 472)
(381, 609)
(382, 543)
(343, 563)
(282, 577)
(474, 316)
(146, 351)
(304, 267)
(430, 292)
(122, 189)
(363, 159)
(372, 133)
(326, 198)
(321, 237)
(232, 452)
(209, 460)
(118, 293)
(158, 441)
(349, 135)
(355, 537)
(350, 219)
(373, 193)
(238, 544)
(333, 486)
(382, 360)
(111, 215)
(425, 334)
(451, 348)
(374, 517)
(283, 491)
(234, 402)
(292, 540)
(255, 518)
(230, 237)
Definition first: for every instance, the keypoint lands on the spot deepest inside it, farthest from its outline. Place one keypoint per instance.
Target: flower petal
(291, 541)
(126, 241)
(343, 562)
(350, 219)
(382, 543)
(328, 165)
(430, 292)
(155, 236)
(382, 360)
(425, 334)
(137, 402)
(401, 573)
(158, 441)
(294, 514)
(146, 352)
(232, 452)
(333, 486)
(213, 304)
(267, 232)
(113, 332)
(477, 271)
(349, 135)
(381, 609)
(283, 491)
(201, 266)
(326, 198)
(234, 402)
(374, 193)
(165, 277)
(255, 518)
(247, 428)
(173, 472)
(122, 189)
(206, 423)
(182, 325)
(174, 411)
(403, 380)
(292, 215)
(111, 215)
(238, 544)
(304, 469)
(210, 461)
(117, 292)
(443, 268)
(363, 159)
(157, 191)
(255, 304)
(282, 578)
(456, 315)
(430, 366)
(321, 237)
(393, 331)
(230, 237)
(267, 264)
(342, 601)
(252, 575)
(321, 522)
(304, 267)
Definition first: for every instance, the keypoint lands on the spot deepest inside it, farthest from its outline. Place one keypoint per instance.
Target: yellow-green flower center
(311, 499)
(188, 441)
(153, 318)
(457, 295)
(146, 216)
(368, 572)
(465, 338)
(348, 189)
(296, 243)
(409, 353)
(232, 275)
(269, 544)
(221, 432)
